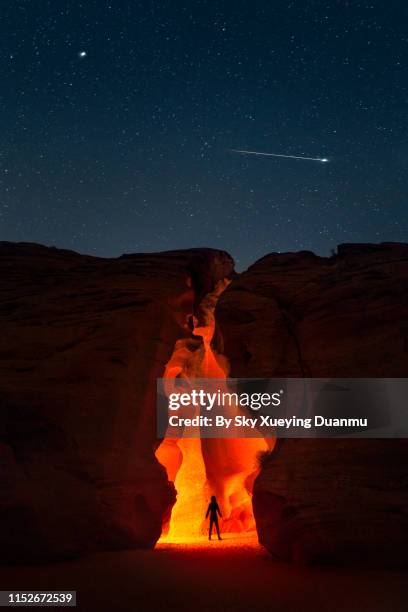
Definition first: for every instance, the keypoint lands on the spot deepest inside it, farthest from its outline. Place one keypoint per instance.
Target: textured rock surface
(297, 314)
(83, 340)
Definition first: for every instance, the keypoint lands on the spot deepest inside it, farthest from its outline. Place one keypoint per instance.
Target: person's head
(213, 499)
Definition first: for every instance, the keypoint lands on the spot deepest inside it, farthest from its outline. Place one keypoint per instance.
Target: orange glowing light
(187, 517)
(198, 467)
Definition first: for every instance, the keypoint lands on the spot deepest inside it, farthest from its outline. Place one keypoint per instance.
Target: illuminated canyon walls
(204, 467)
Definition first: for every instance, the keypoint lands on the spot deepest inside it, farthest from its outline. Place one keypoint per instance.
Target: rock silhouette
(296, 314)
(83, 341)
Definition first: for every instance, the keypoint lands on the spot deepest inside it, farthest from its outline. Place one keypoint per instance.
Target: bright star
(82, 54)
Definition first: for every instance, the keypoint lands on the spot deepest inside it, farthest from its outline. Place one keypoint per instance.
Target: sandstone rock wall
(296, 314)
(82, 342)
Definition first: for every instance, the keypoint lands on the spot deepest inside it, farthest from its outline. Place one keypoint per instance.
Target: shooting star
(319, 159)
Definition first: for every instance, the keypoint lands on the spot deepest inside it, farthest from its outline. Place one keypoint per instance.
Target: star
(82, 54)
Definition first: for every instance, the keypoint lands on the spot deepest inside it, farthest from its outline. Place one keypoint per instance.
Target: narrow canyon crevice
(199, 467)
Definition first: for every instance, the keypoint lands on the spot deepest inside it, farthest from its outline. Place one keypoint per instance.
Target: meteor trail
(320, 159)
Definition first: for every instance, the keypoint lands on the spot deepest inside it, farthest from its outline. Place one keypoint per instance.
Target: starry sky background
(127, 147)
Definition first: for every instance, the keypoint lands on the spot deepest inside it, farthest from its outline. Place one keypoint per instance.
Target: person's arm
(208, 510)
(218, 510)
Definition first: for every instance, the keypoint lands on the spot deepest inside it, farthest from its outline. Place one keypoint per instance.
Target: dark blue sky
(127, 148)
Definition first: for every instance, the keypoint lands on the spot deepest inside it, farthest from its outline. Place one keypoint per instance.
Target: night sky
(118, 120)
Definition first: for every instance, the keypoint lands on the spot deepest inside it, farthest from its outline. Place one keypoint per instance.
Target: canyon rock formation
(83, 340)
(297, 314)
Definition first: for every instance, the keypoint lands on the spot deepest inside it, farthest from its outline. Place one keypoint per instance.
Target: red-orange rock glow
(198, 467)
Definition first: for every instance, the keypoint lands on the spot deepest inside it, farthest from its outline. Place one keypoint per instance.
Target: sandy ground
(231, 575)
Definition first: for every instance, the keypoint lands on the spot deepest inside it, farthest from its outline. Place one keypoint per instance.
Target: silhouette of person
(212, 510)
